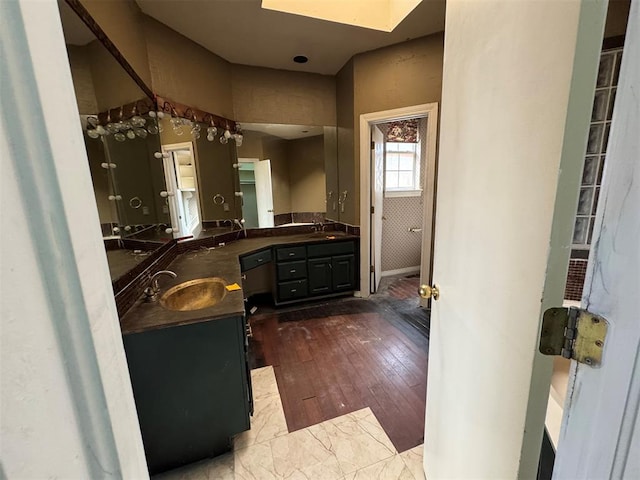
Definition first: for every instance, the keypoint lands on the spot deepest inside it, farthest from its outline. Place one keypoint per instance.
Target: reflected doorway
(182, 189)
(257, 192)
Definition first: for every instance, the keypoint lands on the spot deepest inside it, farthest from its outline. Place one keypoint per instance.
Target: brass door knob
(426, 291)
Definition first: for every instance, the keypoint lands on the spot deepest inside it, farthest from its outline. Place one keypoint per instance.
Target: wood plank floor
(336, 357)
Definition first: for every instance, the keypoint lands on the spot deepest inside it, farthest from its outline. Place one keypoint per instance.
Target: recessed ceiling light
(300, 59)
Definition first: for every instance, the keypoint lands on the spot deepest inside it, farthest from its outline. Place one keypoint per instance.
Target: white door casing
(367, 120)
(512, 138)
(600, 436)
(377, 202)
(264, 193)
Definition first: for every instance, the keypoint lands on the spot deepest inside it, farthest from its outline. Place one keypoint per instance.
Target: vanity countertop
(220, 262)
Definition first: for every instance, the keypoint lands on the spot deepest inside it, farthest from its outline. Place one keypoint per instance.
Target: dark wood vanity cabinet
(315, 270)
(192, 389)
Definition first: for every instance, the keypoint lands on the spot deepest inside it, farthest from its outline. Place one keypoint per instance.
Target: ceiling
(242, 32)
(286, 132)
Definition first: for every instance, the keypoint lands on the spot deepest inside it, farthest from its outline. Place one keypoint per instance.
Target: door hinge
(373, 145)
(372, 269)
(373, 209)
(573, 333)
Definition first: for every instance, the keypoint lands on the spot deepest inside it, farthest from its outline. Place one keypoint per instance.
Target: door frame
(429, 110)
(256, 161)
(170, 176)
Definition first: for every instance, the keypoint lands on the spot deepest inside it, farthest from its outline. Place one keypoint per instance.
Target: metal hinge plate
(373, 209)
(573, 333)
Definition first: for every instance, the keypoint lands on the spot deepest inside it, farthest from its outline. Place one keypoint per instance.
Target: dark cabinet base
(191, 390)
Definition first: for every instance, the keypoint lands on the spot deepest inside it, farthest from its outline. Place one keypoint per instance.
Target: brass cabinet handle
(425, 291)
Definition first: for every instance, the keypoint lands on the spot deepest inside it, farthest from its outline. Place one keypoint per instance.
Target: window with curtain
(402, 167)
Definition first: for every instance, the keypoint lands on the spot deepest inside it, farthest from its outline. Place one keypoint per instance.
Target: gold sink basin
(194, 294)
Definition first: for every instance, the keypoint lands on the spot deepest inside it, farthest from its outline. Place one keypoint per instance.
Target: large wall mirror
(165, 171)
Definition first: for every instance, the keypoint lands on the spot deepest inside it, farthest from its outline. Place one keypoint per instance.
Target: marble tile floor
(350, 447)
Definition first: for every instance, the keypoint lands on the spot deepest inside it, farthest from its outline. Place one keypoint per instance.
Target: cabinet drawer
(328, 249)
(292, 270)
(292, 290)
(255, 260)
(291, 253)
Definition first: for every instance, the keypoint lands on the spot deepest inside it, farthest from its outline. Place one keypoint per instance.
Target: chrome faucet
(318, 227)
(151, 292)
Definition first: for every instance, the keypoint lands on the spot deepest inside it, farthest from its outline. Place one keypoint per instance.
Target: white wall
(67, 406)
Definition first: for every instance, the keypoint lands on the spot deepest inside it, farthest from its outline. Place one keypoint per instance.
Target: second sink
(194, 294)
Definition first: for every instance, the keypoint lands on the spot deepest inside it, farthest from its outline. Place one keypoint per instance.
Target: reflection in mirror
(121, 139)
(282, 174)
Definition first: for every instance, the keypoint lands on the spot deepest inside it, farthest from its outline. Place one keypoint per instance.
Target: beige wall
(185, 72)
(113, 86)
(120, 20)
(402, 75)
(80, 64)
(331, 172)
(305, 157)
(99, 81)
(265, 95)
(274, 149)
(346, 166)
(251, 145)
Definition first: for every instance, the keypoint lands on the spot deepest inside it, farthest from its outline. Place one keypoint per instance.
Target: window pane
(591, 225)
(605, 72)
(405, 180)
(612, 101)
(605, 139)
(595, 135)
(600, 105)
(595, 201)
(590, 170)
(392, 180)
(392, 161)
(406, 162)
(392, 147)
(584, 202)
(580, 230)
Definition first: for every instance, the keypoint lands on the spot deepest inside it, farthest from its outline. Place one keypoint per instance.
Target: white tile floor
(350, 447)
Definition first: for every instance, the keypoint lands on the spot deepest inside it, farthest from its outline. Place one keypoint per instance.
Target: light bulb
(101, 130)
(164, 194)
(210, 136)
(131, 135)
(111, 197)
(227, 134)
(152, 114)
(128, 228)
(161, 115)
(120, 137)
(93, 133)
(168, 230)
(223, 139)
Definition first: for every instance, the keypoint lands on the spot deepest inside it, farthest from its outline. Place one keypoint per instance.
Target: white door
(182, 189)
(512, 140)
(600, 437)
(264, 193)
(428, 197)
(377, 202)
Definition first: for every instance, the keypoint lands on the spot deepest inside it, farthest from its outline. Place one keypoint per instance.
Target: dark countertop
(219, 262)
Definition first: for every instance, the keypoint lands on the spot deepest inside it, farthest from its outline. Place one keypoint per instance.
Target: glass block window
(604, 99)
(402, 166)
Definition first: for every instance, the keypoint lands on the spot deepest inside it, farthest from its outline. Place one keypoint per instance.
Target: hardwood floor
(336, 357)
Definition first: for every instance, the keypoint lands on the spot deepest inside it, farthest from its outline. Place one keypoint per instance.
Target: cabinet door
(319, 276)
(343, 269)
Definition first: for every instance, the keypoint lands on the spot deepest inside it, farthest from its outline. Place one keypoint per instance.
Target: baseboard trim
(399, 271)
